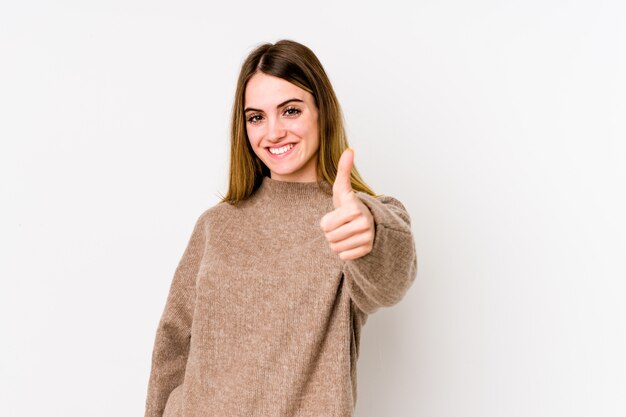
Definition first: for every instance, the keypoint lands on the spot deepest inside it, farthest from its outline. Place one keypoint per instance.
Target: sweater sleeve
(382, 277)
(173, 334)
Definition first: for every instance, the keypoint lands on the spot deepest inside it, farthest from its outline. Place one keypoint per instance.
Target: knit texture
(262, 318)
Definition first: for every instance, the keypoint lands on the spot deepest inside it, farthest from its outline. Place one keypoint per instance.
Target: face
(281, 122)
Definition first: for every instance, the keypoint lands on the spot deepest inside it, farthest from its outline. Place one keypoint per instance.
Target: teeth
(282, 150)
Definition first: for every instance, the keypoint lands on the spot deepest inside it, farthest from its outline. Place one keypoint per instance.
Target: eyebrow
(247, 109)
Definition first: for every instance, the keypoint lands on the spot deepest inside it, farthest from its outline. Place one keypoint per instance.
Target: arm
(171, 346)
(382, 277)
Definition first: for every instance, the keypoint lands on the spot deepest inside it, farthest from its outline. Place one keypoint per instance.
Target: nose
(275, 130)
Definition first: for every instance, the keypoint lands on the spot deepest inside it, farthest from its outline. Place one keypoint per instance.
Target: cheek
(304, 128)
(253, 136)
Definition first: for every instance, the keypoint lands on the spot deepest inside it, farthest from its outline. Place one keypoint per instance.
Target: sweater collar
(290, 191)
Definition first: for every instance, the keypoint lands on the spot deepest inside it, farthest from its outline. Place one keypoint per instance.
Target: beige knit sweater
(263, 318)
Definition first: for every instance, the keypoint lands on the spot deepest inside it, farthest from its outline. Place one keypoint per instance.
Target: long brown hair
(297, 64)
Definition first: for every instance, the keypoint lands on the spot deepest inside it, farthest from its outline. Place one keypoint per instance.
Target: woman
(265, 310)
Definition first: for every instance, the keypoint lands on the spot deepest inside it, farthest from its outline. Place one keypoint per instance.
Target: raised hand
(349, 228)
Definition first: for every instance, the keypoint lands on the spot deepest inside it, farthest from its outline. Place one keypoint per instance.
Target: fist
(349, 228)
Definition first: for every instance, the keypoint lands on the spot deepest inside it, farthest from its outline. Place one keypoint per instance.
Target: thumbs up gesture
(349, 228)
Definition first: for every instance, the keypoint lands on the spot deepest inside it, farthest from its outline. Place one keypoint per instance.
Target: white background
(499, 124)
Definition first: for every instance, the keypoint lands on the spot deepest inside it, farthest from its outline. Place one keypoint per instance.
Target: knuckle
(352, 211)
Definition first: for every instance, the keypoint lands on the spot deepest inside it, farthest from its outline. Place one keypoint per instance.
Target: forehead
(265, 90)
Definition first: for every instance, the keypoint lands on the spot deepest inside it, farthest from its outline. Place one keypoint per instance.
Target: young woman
(266, 306)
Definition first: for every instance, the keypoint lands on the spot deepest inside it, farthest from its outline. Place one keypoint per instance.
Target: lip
(284, 155)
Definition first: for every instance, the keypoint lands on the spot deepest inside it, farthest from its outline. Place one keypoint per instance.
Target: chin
(282, 168)
(283, 172)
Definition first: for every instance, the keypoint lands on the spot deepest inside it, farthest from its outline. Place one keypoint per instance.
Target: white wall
(499, 124)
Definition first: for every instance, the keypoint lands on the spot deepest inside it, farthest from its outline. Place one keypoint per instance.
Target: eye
(253, 119)
(292, 111)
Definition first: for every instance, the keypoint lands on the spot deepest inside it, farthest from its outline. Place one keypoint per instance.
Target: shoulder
(215, 215)
(385, 208)
(383, 199)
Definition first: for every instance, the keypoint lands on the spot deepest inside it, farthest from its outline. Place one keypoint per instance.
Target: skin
(271, 121)
(294, 122)
(350, 227)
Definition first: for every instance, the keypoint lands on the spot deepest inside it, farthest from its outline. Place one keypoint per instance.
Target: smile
(281, 152)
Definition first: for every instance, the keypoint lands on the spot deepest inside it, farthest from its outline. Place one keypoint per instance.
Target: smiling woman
(265, 310)
(284, 135)
(284, 96)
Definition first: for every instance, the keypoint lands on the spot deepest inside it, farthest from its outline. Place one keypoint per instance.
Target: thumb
(342, 186)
